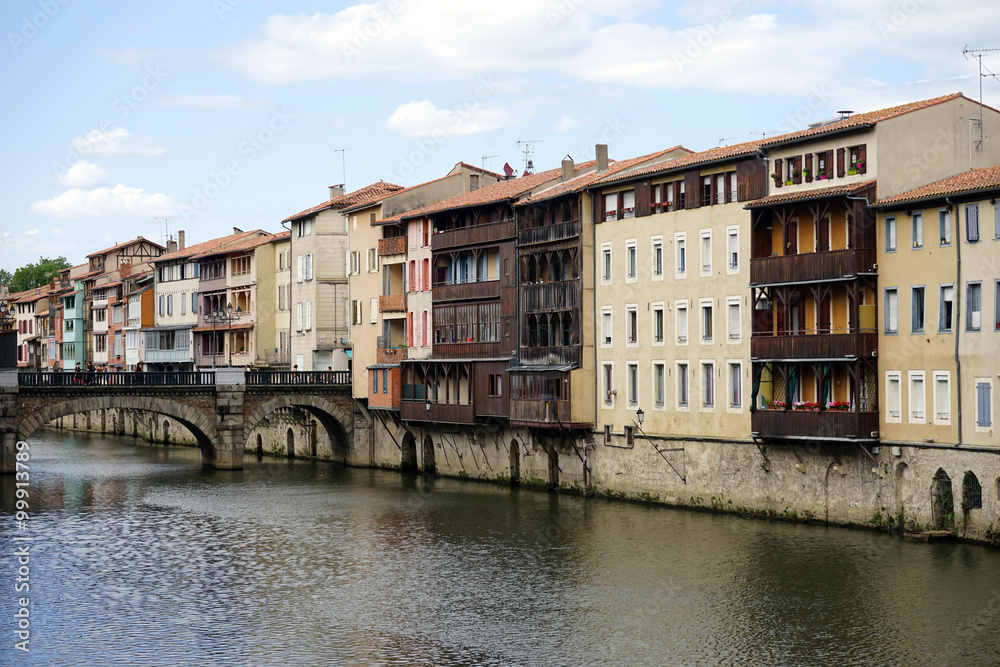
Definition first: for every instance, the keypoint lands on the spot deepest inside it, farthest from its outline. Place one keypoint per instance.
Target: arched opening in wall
(260, 445)
(313, 437)
(901, 490)
(553, 453)
(972, 492)
(942, 501)
(166, 432)
(289, 444)
(408, 455)
(998, 488)
(515, 463)
(427, 456)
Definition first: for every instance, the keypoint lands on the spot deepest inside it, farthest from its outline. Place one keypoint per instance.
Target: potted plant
(840, 406)
(852, 171)
(861, 166)
(821, 175)
(805, 172)
(806, 405)
(776, 405)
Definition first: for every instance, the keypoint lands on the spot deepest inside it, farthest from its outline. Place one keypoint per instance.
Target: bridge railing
(271, 378)
(102, 379)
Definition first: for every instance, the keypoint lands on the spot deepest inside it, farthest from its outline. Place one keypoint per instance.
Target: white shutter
(373, 310)
(309, 315)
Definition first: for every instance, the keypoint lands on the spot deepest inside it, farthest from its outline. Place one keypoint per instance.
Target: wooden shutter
(797, 169)
(751, 179)
(779, 178)
(643, 198)
(692, 189)
(862, 159)
(840, 163)
(809, 168)
(829, 163)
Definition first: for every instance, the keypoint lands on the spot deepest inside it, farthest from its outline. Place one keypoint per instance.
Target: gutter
(956, 313)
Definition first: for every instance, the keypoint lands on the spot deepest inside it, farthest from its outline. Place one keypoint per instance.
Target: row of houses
(828, 285)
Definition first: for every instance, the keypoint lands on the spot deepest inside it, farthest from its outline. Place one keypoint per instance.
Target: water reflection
(144, 558)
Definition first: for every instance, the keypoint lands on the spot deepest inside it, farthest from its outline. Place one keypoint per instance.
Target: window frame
(890, 378)
(912, 380)
(891, 238)
(917, 230)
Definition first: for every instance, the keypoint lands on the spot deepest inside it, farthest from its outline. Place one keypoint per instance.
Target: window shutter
(797, 169)
(972, 223)
(643, 198)
(841, 172)
(862, 159)
(809, 167)
(778, 180)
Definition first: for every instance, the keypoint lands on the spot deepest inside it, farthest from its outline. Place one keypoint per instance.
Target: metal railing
(286, 378)
(109, 379)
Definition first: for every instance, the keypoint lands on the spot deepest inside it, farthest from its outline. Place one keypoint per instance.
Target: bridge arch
(201, 425)
(339, 423)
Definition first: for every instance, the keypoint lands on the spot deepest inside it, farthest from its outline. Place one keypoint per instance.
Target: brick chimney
(567, 168)
(180, 240)
(336, 191)
(171, 246)
(601, 153)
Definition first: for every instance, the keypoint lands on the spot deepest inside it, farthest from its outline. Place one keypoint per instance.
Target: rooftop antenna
(485, 158)
(978, 55)
(723, 140)
(529, 165)
(166, 227)
(343, 164)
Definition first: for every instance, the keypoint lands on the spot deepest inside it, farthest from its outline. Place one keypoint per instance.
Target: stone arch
(942, 501)
(290, 443)
(427, 456)
(166, 432)
(201, 425)
(260, 445)
(515, 463)
(339, 423)
(972, 492)
(408, 455)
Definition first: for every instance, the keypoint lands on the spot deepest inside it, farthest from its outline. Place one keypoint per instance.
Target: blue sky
(230, 113)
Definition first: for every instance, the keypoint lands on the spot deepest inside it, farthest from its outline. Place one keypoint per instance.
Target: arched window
(972, 492)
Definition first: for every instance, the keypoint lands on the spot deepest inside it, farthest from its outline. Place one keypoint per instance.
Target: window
(628, 204)
(890, 234)
(893, 397)
(610, 207)
(918, 399)
(891, 310)
(301, 261)
(657, 259)
(356, 311)
(681, 322)
(606, 325)
(984, 402)
(375, 381)
(100, 343)
(706, 252)
(298, 316)
(240, 266)
(944, 226)
(606, 264)
(609, 384)
(972, 491)
(996, 306)
(706, 321)
(947, 296)
(681, 259)
(708, 385)
(633, 384)
(630, 268)
(733, 249)
(735, 384)
(917, 230)
(658, 323)
(942, 397)
(309, 266)
(972, 223)
(733, 317)
(917, 310)
(973, 306)
(372, 260)
(355, 262)
(194, 302)
(659, 385)
(496, 385)
(682, 385)
(631, 325)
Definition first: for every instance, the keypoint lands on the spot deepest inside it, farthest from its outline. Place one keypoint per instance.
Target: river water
(141, 557)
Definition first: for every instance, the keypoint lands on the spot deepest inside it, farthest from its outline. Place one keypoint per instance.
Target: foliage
(5, 277)
(805, 405)
(35, 275)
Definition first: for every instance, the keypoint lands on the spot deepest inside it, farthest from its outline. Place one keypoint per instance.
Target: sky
(123, 119)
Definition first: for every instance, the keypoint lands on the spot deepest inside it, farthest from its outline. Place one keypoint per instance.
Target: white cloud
(566, 123)
(423, 119)
(118, 202)
(117, 141)
(83, 174)
(196, 101)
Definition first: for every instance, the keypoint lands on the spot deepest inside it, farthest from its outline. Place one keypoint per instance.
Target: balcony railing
(549, 296)
(168, 356)
(392, 246)
(392, 303)
(101, 379)
(812, 425)
(812, 266)
(813, 345)
(487, 289)
(390, 356)
(441, 413)
(550, 356)
(475, 235)
(271, 378)
(540, 412)
(549, 233)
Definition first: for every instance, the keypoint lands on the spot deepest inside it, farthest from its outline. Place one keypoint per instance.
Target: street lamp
(640, 415)
(226, 316)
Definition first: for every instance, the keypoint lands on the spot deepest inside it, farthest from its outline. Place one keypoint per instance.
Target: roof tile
(987, 178)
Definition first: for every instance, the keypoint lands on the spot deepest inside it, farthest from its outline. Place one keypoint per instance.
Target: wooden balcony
(546, 297)
(548, 234)
(468, 350)
(441, 413)
(818, 426)
(392, 303)
(386, 397)
(474, 235)
(809, 267)
(550, 356)
(813, 346)
(392, 246)
(544, 412)
(489, 289)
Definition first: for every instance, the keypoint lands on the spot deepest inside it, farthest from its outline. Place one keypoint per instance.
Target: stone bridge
(220, 408)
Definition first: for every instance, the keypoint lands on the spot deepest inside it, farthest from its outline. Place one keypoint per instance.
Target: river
(141, 557)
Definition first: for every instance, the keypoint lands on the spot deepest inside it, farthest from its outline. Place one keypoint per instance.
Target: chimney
(171, 246)
(601, 153)
(567, 168)
(180, 240)
(336, 191)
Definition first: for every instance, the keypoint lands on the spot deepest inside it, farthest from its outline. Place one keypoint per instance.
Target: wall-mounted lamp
(640, 415)
(427, 405)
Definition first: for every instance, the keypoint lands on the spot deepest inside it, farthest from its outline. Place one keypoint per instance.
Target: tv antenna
(485, 158)
(723, 140)
(343, 164)
(166, 227)
(978, 55)
(528, 150)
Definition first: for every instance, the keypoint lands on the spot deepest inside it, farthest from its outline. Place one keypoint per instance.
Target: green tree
(5, 277)
(34, 275)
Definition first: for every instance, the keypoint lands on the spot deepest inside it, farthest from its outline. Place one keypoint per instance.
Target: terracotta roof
(497, 192)
(860, 120)
(126, 243)
(369, 192)
(204, 247)
(806, 195)
(475, 168)
(245, 244)
(974, 180)
(711, 155)
(581, 182)
(376, 200)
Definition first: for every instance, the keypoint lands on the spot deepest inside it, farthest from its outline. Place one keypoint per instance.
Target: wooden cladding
(474, 235)
(487, 289)
(813, 346)
(799, 424)
(643, 198)
(751, 180)
(808, 267)
(559, 232)
(392, 246)
(692, 185)
(392, 303)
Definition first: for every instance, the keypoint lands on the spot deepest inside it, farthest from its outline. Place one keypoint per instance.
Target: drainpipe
(956, 236)
(291, 253)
